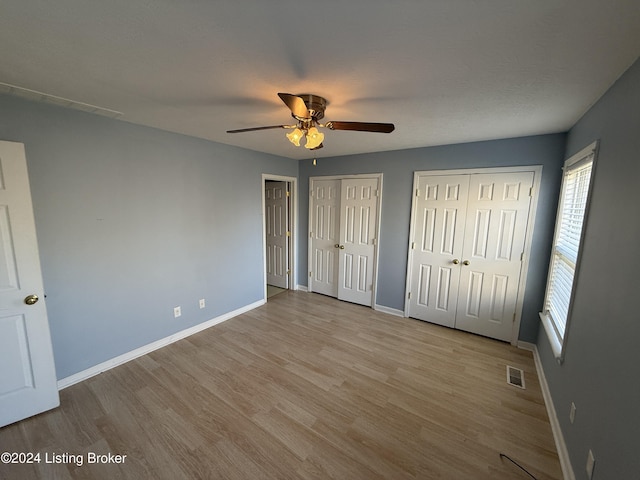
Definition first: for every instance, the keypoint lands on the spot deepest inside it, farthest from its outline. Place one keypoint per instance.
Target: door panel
(358, 216)
(493, 246)
(277, 227)
(324, 236)
(28, 382)
(440, 207)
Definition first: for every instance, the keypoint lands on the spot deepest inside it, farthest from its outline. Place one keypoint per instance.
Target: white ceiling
(444, 71)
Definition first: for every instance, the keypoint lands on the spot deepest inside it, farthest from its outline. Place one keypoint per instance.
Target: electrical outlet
(572, 412)
(591, 461)
(202, 303)
(177, 311)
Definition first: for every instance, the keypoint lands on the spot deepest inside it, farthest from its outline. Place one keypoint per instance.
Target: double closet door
(343, 226)
(467, 249)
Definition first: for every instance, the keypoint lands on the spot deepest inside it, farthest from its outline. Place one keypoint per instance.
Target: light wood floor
(304, 387)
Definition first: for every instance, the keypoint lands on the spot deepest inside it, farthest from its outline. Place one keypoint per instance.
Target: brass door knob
(31, 299)
(337, 245)
(341, 247)
(466, 262)
(455, 261)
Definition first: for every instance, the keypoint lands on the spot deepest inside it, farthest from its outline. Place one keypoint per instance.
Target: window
(567, 240)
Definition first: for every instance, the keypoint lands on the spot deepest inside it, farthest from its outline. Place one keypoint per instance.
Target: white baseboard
(302, 288)
(389, 310)
(561, 446)
(138, 352)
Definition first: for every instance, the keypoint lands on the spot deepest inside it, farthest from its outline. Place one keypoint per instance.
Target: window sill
(554, 340)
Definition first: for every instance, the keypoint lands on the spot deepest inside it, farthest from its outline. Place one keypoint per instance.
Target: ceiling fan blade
(295, 104)
(362, 126)
(253, 129)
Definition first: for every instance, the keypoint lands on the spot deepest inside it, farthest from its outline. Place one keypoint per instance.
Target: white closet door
(358, 220)
(469, 234)
(494, 238)
(324, 236)
(440, 209)
(277, 228)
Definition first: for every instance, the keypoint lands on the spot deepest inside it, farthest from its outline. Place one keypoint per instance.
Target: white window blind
(566, 245)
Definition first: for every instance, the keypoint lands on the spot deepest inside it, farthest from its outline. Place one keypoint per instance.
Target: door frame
(292, 213)
(537, 178)
(376, 251)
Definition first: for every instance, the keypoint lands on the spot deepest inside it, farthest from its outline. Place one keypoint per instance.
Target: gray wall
(398, 167)
(132, 221)
(601, 370)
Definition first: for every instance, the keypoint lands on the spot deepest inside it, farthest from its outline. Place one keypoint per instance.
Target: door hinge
(373, 241)
(522, 256)
(377, 193)
(417, 192)
(409, 296)
(310, 234)
(413, 245)
(288, 272)
(288, 193)
(514, 317)
(288, 233)
(309, 274)
(531, 192)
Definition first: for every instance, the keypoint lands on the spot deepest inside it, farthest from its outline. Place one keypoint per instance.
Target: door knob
(31, 299)
(341, 247)
(466, 262)
(455, 261)
(337, 245)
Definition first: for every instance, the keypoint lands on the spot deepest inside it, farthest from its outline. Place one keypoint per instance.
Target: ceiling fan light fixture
(295, 137)
(314, 138)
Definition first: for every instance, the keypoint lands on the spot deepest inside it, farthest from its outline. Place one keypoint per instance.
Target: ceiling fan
(308, 110)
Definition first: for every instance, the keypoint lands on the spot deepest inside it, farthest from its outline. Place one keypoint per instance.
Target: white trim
(558, 342)
(389, 310)
(138, 352)
(528, 242)
(302, 288)
(293, 213)
(561, 446)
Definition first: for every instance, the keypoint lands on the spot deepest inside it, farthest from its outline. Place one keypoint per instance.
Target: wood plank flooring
(304, 387)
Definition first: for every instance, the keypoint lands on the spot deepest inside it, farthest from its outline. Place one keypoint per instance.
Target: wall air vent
(515, 377)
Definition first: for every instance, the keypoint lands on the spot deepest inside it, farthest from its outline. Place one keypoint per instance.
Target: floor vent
(515, 377)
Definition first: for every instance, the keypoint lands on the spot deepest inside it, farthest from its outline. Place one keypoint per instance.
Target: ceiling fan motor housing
(315, 104)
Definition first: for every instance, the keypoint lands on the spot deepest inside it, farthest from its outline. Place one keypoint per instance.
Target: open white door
(277, 233)
(28, 382)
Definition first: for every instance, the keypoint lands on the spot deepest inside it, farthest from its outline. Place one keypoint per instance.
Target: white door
(277, 232)
(466, 253)
(358, 220)
(343, 228)
(439, 215)
(494, 237)
(27, 374)
(324, 236)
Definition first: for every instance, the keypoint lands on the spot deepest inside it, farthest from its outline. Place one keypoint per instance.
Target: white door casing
(343, 230)
(469, 235)
(28, 382)
(277, 233)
